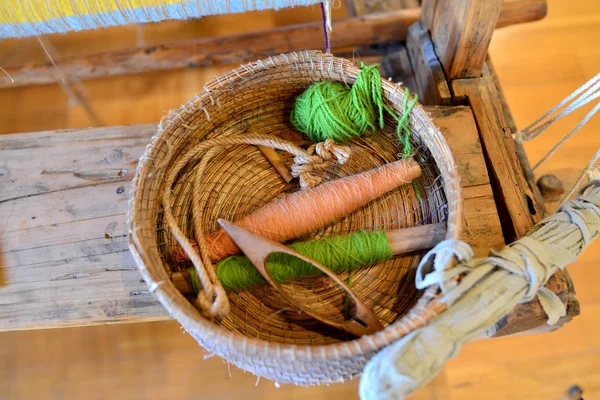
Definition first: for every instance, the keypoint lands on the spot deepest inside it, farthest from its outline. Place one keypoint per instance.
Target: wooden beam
(230, 49)
(515, 200)
(521, 155)
(482, 228)
(461, 32)
(235, 49)
(525, 10)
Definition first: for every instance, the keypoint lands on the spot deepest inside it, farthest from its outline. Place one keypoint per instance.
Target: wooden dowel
(275, 159)
(277, 162)
(183, 281)
(305, 211)
(245, 47)
(401, 241)
(519, 11)
(416, 238)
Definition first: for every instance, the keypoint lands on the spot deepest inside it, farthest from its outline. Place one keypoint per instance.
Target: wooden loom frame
(438, 50)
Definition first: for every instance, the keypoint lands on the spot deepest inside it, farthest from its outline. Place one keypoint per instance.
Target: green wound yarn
(339, 253)
(334, 110)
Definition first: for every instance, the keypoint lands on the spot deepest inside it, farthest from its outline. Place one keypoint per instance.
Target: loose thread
(7, 74)
(403, 129)
(195, 280)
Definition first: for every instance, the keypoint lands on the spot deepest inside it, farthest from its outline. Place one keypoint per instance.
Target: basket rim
(427, 307)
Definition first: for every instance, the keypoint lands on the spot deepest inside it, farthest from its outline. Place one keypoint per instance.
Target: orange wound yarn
(305, 211)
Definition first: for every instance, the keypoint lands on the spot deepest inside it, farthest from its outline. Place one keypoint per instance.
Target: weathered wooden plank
(63, 248)
(389, 27)
(482, 228)
(429, 74)
(521, 155)
(513, 196)
(232, 49)
(63, 245)
(461, 32)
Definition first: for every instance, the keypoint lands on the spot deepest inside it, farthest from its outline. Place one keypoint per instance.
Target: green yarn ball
(333, 110)
(340, 112)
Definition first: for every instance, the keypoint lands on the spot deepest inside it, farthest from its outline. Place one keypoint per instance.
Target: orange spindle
(308, 210)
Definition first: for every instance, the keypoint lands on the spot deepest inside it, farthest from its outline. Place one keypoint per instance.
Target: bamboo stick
(277, 162)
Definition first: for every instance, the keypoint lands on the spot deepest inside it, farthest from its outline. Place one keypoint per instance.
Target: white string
(533, 130)
(327, 5)
(567, 136)
(582, 101)
(585, 94)
(75, 92)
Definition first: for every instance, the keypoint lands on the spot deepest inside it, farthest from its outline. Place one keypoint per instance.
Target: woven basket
(261, 334)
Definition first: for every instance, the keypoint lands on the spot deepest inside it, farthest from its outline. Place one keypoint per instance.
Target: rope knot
(328, 149)
(532, 259)
(213, 303)
(317, 158)
(438, 265)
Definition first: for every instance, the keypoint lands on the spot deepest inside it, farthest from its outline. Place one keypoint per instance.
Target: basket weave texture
(261, 333)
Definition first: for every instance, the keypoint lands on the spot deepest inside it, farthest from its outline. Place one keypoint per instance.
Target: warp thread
(22, 18)
(334, 110)
(340, 253)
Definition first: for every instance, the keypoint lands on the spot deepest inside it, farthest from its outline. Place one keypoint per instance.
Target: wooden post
(461, 32)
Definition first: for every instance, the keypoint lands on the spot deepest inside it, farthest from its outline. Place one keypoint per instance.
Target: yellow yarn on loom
(24, 11)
